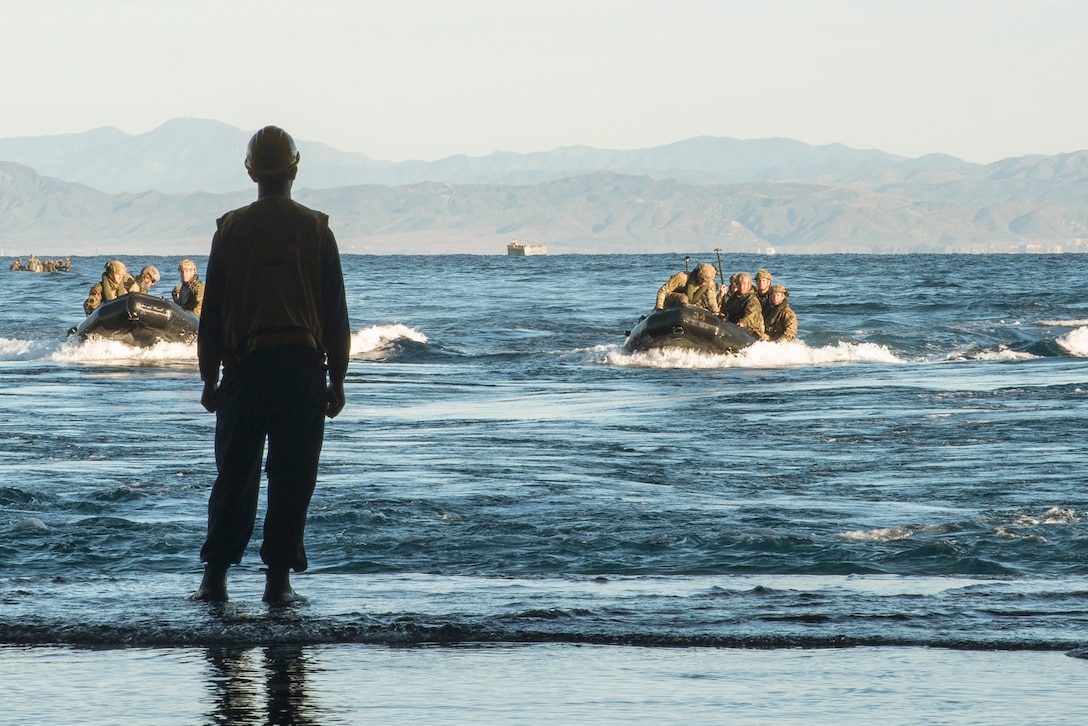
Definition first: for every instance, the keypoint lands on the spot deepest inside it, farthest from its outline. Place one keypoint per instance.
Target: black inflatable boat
(689, 328)
(139, 320)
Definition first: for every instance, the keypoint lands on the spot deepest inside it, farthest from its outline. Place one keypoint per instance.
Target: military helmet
(779, 288)
(152, 272)
(271, 151)
(742, 277)
(187, 264)
(115, 266)
(705, 272)
(763, 274)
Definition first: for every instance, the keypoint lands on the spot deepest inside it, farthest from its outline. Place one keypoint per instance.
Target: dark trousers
(276, 394)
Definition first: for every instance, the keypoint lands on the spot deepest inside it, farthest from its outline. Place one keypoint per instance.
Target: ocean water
(518, 521)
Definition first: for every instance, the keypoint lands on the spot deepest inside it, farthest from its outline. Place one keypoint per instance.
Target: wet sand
(526, 684)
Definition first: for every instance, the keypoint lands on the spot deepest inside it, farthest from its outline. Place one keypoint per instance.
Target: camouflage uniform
(94, 299)
(107, 289)
(190, 296)
(764, 297)
(746, 312)
(779, 320)
(687, 284)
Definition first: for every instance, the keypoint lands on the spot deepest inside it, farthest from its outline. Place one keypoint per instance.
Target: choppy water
(908, 476)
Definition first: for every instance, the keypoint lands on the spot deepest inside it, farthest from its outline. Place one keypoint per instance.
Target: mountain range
(107, 192)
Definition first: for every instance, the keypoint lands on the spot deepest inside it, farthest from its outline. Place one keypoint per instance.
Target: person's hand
(207, 396)
(334, 399)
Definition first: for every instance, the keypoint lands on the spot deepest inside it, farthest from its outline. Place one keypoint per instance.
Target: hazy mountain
(603, 212)
(696, 194)
(197, 155)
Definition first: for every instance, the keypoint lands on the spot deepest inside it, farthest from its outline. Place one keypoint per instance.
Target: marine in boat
(688, 316)
(139, 320)
(687, 327)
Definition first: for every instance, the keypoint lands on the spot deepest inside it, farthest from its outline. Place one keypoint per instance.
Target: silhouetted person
(275, 318)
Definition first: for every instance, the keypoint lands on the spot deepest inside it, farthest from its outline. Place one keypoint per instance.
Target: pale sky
(424, 79)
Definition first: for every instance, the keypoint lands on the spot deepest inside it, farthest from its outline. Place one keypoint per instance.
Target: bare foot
(213, 588)
(277, 588)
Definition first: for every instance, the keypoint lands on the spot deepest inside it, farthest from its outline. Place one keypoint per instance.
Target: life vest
(112, 290)
(698, 294)
(270, 251)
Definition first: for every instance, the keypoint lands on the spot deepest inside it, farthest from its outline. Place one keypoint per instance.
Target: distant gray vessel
(521, 248)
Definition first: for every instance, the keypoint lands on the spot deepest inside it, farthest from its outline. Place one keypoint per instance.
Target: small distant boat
(687, 327)
(139, 320)
(521, 248)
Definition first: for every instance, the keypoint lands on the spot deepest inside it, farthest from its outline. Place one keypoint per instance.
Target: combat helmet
(705, 272)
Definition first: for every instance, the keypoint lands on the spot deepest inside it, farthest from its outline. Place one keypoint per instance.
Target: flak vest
(271, 254)
(112, 290)
(697, 294)
(774, 320)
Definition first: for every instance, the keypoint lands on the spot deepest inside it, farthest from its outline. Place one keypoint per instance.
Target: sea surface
(518, 521)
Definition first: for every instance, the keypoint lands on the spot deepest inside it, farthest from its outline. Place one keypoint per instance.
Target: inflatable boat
(139, 320)
(689, 328)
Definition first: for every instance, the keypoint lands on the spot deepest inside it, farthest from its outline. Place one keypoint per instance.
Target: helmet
(743, 277)
(705, 272)
(779, 288)
(152, 272)
(763, 274)
(271, 151)
(187, 264)
(114, 266)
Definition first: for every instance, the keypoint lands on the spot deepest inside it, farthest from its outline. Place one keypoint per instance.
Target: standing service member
(275, 318)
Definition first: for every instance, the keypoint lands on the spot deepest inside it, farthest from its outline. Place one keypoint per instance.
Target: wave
(1001, 526)
(793, 354)
(967, 612)
(1001, 353)
(1075, 342)
(378, 337)
(1076, 323)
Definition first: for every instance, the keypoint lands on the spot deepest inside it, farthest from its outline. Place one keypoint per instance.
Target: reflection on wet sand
(246, 688)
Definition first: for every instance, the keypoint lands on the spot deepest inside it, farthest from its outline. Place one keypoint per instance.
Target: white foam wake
(95, 351)
(795, 353)
(111, 352)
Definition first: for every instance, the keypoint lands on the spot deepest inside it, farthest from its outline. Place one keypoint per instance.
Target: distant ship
(521, 249)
